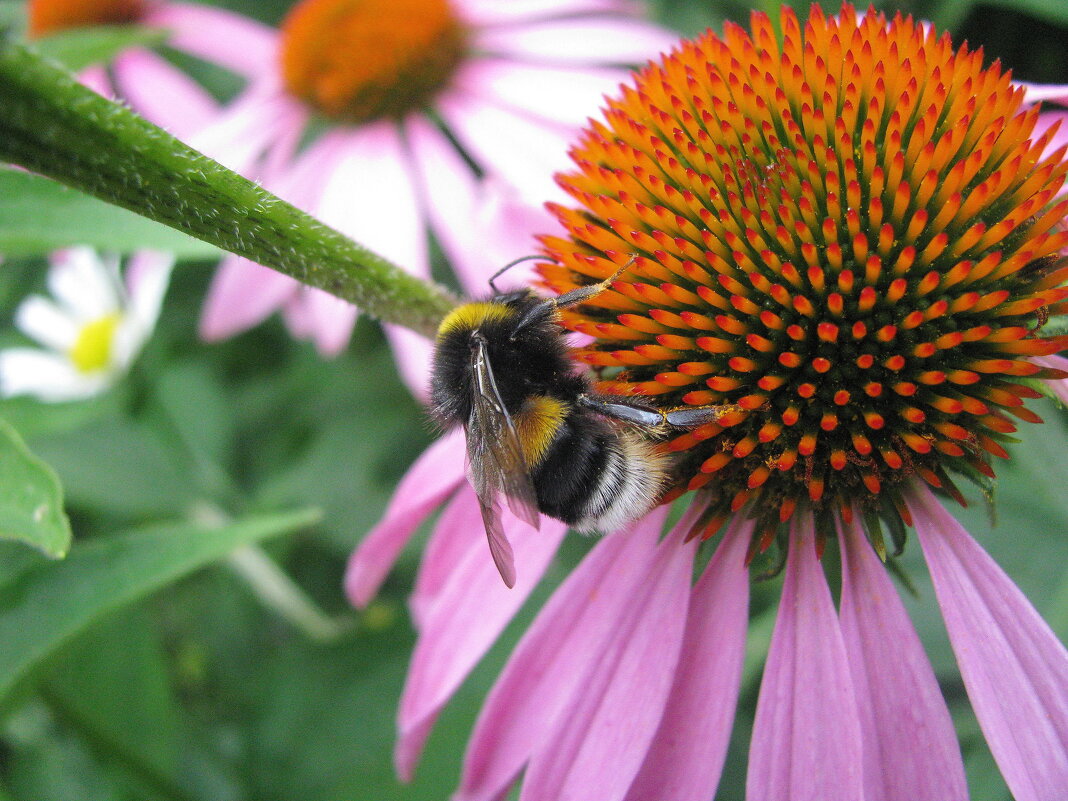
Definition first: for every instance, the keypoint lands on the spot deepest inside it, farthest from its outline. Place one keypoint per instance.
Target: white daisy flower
(92, 327)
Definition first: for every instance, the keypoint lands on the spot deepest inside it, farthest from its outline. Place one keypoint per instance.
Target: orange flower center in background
(843, 230)
(357, 60)
(49, 16)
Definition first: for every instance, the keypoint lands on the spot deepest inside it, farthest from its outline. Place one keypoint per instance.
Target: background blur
(200, 691)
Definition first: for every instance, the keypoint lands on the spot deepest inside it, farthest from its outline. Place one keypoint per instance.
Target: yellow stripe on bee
(537, 423)
(470, 316)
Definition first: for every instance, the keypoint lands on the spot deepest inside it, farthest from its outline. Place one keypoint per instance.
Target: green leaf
(77, 48)
(38, 215)
(43, 607)
(54, 126)
(113, 684)
(31, 499)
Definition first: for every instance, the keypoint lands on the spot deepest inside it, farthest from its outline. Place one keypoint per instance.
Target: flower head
(92, 328)
(450, 113)
(855, 250)
(846, 233)
(49, 16)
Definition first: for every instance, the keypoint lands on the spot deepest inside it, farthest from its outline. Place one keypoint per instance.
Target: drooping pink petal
(370, 195)
(1043, 92)
(494, 137)
(162, 93)
(481, 224)
(458, 530)
(1047, 119)
(414, 354)
(494, 12)
(431, 479)
(1059, 385)
(557, 95)
(910, 746)
(329, 319)
(242, 294)
(249, 127)
(462, 621)
(384, 217)
(597, 746)
(95, 77)
(1013, 666)
(579, 42)
(221, 37)
(548, 666)
(687, 754)
(806, 738)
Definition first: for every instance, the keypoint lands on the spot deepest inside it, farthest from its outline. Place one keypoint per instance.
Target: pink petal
(464, 620)
(548, 667)
(220, 37)
(560, 96)
(1015, 669)
(1043, 92)
(491, 12)
(597, 746)
(413, 354)
(95, 77)
(687, 754)
(583, 41)
(1060, 385)
(327, 320)
(248, 127)
(242, 294)
(481, 225)
(162, 93)
(458, 530)
(523, 153)
(806, 737)
(434, 476)
(1046, 120)
(370, 195)
(910, 747)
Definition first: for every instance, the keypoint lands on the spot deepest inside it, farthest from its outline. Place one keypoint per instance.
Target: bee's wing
(500, 548)
(496, 462)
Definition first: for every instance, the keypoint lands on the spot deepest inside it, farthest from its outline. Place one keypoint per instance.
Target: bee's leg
(619, 409)
(547, 308)
(641, 414)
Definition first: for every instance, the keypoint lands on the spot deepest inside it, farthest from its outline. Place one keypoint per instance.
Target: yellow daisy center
(49, 16)
(92, 350)
(357, 60)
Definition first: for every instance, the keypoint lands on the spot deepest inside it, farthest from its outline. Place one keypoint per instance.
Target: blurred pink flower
(151, 84)
(624, 687)
(471, 161)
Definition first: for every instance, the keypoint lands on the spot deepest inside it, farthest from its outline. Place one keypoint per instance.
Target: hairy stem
(53, 125)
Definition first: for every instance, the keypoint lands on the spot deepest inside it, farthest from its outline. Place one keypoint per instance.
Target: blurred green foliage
(145, 680)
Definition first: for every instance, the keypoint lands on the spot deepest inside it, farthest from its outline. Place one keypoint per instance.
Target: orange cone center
(357, 60)
(49, 16)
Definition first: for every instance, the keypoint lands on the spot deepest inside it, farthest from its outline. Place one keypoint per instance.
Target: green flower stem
(52, 125)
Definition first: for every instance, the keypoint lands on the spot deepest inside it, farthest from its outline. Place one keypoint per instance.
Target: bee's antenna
(549, 306)
(508, 267)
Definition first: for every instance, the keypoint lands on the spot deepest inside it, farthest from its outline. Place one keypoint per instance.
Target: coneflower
(847, 232)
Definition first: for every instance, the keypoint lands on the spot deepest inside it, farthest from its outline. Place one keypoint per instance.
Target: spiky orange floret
(846, 230)
(363, 59)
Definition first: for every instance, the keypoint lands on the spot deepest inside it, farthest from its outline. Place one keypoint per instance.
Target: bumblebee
(537, 433)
